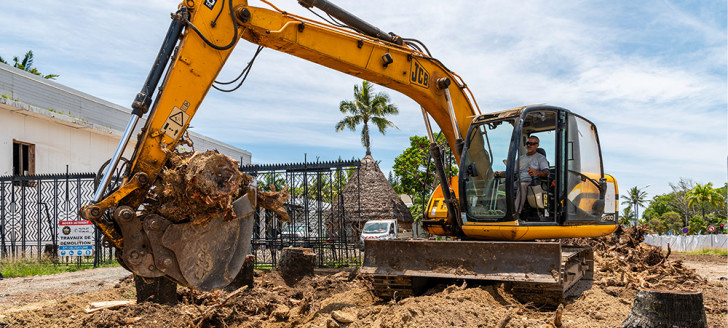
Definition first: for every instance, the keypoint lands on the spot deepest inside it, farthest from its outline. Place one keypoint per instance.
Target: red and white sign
(711, 228)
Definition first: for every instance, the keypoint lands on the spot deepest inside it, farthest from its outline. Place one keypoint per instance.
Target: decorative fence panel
(30, 208)
(316, 209)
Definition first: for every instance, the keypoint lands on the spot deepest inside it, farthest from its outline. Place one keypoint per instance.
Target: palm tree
(635, 197)
(366, 107)
(627, 216)
(704, 194)
(271, 182)
(27, 65)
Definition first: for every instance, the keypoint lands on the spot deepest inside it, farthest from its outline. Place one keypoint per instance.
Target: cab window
(487, 152)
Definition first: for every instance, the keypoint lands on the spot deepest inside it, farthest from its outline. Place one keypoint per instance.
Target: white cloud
(651, 74)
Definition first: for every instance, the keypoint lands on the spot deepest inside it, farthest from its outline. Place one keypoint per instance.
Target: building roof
(20, 90)
(377, 198)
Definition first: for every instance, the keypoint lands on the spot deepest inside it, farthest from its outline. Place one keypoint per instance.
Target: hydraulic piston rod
(349, 19)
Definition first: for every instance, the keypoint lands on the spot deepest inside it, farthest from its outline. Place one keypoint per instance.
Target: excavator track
(577, 265)
(389, 287)
(537, 272)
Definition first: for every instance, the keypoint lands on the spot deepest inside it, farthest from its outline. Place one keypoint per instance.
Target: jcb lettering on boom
(419, 75)
(210, 3)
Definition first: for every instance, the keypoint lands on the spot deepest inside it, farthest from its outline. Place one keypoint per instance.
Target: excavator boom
(201, 38)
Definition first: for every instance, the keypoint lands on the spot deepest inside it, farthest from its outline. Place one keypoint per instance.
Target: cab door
(582, 172)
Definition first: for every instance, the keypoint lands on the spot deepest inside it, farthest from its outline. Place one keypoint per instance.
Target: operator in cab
(532, 164)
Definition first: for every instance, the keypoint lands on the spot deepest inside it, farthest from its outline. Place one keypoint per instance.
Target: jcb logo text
(418, 75)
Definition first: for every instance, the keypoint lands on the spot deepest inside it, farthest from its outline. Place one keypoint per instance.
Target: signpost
(711, 228)
(685, 230)
(75, 238)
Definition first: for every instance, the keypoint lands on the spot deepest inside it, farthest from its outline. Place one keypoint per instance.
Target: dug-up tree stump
(245, 276)
(156, 290)
(296, 263)
(666, 309)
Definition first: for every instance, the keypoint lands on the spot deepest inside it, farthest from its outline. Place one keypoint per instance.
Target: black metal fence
(30, 208)
(316, 208)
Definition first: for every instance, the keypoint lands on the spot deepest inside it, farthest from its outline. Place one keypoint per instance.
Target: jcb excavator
(475, 211)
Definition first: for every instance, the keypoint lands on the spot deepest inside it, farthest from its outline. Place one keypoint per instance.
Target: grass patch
(709, 251)
(33, 267)
(262, 266)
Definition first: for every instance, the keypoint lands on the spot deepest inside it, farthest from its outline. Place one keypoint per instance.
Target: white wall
(38, 111)
(57, 143)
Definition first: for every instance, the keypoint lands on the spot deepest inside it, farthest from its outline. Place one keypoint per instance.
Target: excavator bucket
(396, 265)
(205, 256)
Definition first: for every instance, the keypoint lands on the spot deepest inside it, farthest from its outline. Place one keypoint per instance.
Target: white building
(45, 126)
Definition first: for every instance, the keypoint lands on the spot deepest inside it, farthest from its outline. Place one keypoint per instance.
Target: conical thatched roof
(369, 196)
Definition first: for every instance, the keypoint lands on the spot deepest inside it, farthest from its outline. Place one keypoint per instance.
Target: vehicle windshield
(375, 227)
(485, 195)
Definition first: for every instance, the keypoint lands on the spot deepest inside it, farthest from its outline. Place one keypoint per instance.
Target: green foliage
(693, 205)
(705, 195)
(710, 251)
(417, 209)
(366, 107)
(27, 65)
(330, 185)
(679, 201)
(697, 225)
(32, 267)
(264, 266)
(659, 205)
(667, 222)
(627, 216)
(636, 198)
(415, 170)
(271, 182)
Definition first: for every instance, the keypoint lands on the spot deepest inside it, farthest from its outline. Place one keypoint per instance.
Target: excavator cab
(493, 180)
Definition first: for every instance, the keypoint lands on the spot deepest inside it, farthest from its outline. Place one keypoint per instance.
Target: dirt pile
(337, 300)
(344, 300)
(270, 303)
(622, 260)
(198, 187)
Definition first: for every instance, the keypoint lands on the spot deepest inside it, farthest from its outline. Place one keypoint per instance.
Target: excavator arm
(198, 43)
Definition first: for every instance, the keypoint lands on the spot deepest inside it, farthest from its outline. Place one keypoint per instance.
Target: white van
(379, 229)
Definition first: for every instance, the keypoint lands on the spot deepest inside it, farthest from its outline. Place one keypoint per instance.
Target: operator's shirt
(536, 161)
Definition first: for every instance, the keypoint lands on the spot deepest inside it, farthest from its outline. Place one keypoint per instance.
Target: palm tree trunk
(366, 138)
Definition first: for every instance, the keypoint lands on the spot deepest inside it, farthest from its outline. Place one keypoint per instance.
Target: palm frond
(382, 124)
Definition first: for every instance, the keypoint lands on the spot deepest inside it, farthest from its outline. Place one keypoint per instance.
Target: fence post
(22, 218)
(39, 218)
(2, 219)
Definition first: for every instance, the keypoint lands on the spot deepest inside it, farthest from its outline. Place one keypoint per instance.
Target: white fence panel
(688, 243)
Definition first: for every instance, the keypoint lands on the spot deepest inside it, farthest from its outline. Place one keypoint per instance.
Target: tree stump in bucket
(296, 263)
(666, 309)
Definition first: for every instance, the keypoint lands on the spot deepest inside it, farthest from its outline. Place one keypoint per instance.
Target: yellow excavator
(488, 237)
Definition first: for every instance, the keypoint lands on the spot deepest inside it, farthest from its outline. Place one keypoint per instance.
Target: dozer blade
(395, 265)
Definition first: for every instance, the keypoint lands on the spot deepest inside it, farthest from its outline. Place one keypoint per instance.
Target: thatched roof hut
(369, 196)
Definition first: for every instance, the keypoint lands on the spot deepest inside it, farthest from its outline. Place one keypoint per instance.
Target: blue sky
(650, 74)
